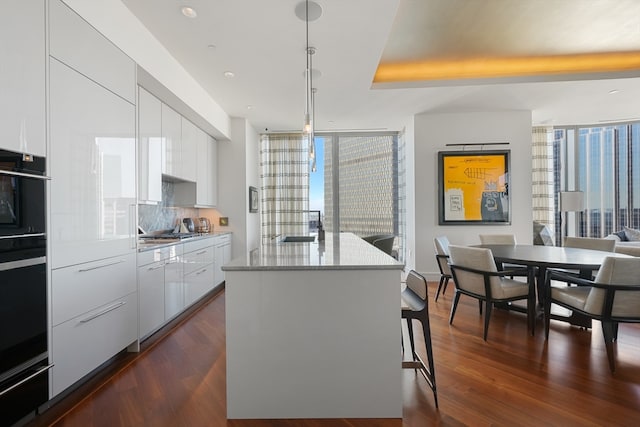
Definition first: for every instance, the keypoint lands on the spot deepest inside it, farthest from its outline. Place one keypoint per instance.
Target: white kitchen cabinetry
(171, 140)
(94, 310)
(159, 286)
(222, 255)
(151, 291)
(207, 182)
(76, 43)
(149, 147)
(92, 203)
(204, 193)
(188, 155)
(93, 170)
(198, 262)
(22, 76)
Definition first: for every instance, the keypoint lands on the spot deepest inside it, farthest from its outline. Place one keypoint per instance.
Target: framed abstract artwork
(473, 187)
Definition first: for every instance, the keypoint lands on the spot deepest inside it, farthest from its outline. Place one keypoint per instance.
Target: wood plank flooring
(513, 379)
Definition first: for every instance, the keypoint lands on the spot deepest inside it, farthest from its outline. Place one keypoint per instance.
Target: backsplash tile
(163, 216)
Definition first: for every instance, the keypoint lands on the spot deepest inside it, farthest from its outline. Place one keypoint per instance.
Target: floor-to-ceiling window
(604, 163)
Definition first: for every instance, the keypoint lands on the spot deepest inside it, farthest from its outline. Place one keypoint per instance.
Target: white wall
(118, 24)
(237, 170)
(432, 132)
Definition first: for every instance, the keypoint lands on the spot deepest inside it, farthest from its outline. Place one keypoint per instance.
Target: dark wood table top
(550, 256)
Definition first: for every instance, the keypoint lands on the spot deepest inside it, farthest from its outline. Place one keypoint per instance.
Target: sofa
(627, 241)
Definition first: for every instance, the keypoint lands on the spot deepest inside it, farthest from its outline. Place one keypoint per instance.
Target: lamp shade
(571, 201)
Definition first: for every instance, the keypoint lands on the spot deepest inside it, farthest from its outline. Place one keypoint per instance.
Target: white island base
(319, 341)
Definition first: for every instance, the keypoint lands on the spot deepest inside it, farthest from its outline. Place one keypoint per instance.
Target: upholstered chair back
(442, 248)
(477, 259)
(498, 239)
(617, 271)
(606, 245)
(417, 284)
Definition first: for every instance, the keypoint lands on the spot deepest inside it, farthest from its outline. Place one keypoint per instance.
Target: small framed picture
(253, 199)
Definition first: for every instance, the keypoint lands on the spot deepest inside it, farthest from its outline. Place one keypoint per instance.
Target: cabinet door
(173, 288)
(151, 296)
(22, 76)
(197, 284)
(93, 170)
(76, 43)
(190, 135)
(171, 141)
(207, 189)
(149, 147)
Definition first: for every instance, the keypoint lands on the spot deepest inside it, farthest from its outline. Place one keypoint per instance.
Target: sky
(316, 180)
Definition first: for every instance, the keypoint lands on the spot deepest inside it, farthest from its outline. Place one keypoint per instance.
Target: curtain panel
(284, 183)
(542, 178)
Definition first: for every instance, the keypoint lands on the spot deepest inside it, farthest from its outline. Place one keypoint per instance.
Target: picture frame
(253, 199)
(473, 187)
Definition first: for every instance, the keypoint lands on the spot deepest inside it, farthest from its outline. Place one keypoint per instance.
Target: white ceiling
(263, 43)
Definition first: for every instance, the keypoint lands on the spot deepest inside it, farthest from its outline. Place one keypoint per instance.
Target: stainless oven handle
(21, 236)
(30, 377)
(22, 263)
(103, 312)
(26, 175)
(83, 270)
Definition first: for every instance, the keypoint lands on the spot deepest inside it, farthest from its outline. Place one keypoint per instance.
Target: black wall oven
(23, 286)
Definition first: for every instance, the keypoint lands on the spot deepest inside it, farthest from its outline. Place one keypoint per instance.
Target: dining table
(538, 259)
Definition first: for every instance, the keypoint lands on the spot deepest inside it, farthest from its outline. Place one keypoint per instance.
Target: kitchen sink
(291, 239)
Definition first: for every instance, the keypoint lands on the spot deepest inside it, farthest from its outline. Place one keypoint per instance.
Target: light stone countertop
(149, 245)
(343, 251)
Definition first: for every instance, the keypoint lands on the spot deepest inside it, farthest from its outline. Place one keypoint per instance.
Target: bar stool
(416, 307)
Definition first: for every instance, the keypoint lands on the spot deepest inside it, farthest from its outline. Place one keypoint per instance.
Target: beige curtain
(542, 179)
(284, 183)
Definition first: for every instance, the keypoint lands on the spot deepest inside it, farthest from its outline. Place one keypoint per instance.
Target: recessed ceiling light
(613, 91)
(229, 74)
(249, 107)
(189, 12)
(211, 46)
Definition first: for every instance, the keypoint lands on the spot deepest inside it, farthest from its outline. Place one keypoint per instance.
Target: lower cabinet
(83, 343)
(222, 256)
(198, 269)
(94, 312)
(160, 287)
(198, 283)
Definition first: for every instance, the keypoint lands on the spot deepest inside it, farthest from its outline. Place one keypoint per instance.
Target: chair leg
(446, 282)
(442, 281)
(615, 331)
(454, 306)
(487, 316)
(480, 306)
(608, 331)
(426, 329)
(413, 346)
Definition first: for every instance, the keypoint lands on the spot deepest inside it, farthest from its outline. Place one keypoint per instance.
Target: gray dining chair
(475, 274)
(595, 244)
(498, 239)
(613, 297)
(441, 244)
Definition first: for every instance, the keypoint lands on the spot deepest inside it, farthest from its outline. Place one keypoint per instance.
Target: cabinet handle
(155, 268)
(201, 252)
(201, 271)
(103, 312)
(30, 377)
(83, 270)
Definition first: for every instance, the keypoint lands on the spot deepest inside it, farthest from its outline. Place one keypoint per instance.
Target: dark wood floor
(513, 379)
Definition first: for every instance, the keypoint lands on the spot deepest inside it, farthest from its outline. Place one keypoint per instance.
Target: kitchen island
(313, 331)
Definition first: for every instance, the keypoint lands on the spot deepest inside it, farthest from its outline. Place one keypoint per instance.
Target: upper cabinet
(92, 160)
(171, 142)
(190, 135)
(149, 147)
(207, 182)
(22, 76)
(77, 44)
